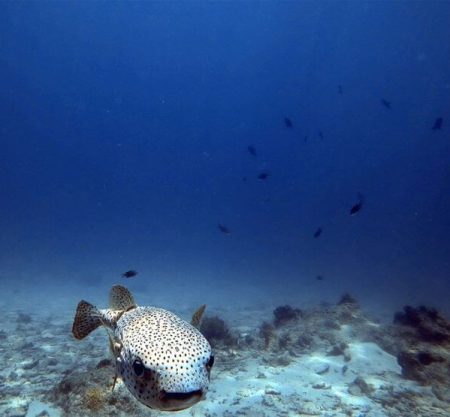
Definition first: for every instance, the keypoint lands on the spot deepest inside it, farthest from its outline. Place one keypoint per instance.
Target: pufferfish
(164, 361)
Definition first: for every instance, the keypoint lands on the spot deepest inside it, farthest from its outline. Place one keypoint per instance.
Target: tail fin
(87, 319)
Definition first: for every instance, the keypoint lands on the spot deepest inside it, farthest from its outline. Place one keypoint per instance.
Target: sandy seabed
(329, 361)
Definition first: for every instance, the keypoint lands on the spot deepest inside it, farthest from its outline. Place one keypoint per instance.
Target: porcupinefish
(164, 361)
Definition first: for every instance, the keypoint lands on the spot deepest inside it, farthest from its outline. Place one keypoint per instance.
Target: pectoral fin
(115, 348)
(197, 316)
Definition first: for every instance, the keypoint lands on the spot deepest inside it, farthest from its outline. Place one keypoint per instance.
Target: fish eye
(210, 362)
(138, 367)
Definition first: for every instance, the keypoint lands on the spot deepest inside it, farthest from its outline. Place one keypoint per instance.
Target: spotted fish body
(164, 361)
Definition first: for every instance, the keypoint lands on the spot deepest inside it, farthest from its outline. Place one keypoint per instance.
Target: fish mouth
(175, 401)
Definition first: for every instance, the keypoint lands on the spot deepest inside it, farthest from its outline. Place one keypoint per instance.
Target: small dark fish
(438, 124)
(224, 229)
(386, 103)
(129, 274)
(318, 232)
(320, 134)
(251, 149)
(263, 176)
(244, 179)
(288, 123)
(340, 89)
(358, 206)
(305, 139)
(319, 278)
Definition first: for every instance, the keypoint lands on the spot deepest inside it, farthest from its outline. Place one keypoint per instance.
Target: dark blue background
(124, 132)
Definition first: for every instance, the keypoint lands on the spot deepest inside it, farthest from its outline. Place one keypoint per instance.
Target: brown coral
(267, 332)
(217, 332)
(94, 399)
(285, 314)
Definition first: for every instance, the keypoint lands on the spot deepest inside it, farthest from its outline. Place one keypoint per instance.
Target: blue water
(124, 133)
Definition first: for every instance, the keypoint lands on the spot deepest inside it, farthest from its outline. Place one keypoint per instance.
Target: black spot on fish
(224, 229)
(386, 103)
(438, 124)
(263, 176)
(129, 274)
(251, 150)
(318, 232)
(288, 123)
(357, 206)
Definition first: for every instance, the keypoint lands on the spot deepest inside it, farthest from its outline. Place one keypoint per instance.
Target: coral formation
(297, 332)
(423, 338)
(104, 363)
(94, 399)
(285, 314)
(217, 331)
(340, 349)
(331, 357)
(360, 387)
(267, 332)
(347, 299)
(81, 392)
(430, 326)
(23, 318)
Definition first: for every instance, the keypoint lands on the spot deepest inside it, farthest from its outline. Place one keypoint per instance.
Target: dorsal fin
(121, 299)
(197, 316)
